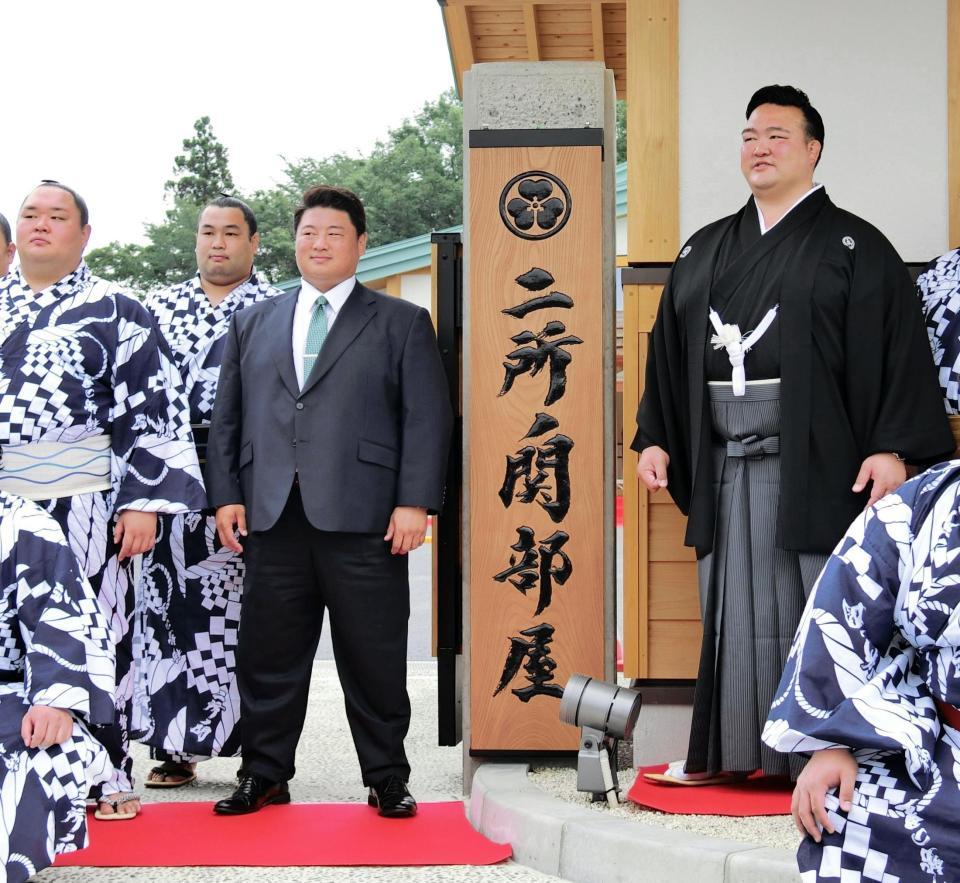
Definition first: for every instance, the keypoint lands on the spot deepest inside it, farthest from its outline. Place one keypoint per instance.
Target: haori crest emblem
(535, 205)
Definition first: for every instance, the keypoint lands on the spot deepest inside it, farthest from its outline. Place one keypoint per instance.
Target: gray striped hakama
(752, 593)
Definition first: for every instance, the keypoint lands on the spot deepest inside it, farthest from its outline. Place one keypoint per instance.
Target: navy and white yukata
(186, 703)
(81, 359)
(939, 289)
(55, 650)
(879, 642)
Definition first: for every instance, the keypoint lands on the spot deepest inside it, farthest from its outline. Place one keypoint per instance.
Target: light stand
(605, 713)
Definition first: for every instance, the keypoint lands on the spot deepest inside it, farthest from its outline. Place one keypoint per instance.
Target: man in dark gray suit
(327, 450)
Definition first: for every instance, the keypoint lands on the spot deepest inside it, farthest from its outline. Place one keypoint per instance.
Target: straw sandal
(674, 775)
(116, 801)
(171, 774)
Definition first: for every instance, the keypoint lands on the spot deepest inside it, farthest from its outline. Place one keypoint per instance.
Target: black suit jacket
(369, 431)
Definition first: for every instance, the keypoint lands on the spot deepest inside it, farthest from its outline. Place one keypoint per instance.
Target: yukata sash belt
(201, 435)
(753, 447)
(949, 714)
(47, 470)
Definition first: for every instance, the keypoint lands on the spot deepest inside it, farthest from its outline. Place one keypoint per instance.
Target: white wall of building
(415, 287)
(622, 234)
(875, 69)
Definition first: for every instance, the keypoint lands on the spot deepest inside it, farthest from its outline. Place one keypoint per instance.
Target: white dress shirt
(336, 298)
(763, 224)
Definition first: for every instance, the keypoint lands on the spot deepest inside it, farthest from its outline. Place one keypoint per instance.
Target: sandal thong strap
(117, 800)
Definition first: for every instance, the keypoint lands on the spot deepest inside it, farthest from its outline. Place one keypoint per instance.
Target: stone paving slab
(582, 846)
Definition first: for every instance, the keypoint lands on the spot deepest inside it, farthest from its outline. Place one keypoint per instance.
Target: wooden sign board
(536, 442)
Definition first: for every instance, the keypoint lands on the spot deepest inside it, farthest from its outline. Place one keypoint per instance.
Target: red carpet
(757, 796)
(179, 834)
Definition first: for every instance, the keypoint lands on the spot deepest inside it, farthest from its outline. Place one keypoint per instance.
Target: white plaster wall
(875, 69)
(622, 234)
(415, 287)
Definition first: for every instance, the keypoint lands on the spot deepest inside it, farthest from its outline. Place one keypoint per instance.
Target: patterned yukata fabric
(186, 704)
(879, 642)
(939, 289)
(55, 650)
(83, 358)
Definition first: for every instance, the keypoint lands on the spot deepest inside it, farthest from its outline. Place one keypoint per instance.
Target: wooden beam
(530, 25)
(635, 663)
(953, 119)
(653, 124)
(458, 36)
(596, 12)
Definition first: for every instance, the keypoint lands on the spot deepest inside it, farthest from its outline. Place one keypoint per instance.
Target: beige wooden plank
(548, 15)
(461, 49)
(502, 54)
(566, 53)
(500, 41)
(513, 13)
(673, 591)
(599, 45)
(675, 649)
(572, 41)
(564, 27)
(530, 26)
(393, 285)
(667, 527)
(653, 123)
(634, 533)
(494, 29)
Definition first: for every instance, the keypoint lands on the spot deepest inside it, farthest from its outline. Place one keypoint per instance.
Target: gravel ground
(775, 831)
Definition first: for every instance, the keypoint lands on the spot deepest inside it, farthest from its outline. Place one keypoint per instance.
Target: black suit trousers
(294, 572)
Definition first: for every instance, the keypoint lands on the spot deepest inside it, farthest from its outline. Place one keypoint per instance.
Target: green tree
(411, 182)
(621, 131)
(202, 171)
(168, 256)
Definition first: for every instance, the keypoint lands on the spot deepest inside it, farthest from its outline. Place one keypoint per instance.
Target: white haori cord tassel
(737, 345)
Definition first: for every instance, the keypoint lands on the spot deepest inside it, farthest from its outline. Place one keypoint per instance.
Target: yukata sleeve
(226, 425)
(938, 288)
(908, 415)
(155, 467)
(848, 680)
(69, 658)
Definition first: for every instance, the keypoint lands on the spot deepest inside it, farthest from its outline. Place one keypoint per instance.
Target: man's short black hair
(225, 201)
(791, 96)
(325, 196)
(5, 231)
(78, 200)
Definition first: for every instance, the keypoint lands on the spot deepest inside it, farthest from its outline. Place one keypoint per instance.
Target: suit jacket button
(294, 442)
(299, 406)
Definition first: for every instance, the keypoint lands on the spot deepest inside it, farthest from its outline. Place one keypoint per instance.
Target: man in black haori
(774, 439)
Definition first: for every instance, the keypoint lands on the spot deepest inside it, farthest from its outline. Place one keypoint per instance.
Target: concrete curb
(577, 844)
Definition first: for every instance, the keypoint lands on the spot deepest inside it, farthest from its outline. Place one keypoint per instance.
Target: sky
(100, 95)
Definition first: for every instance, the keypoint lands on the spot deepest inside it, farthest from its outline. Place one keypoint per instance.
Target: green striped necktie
(316, 335)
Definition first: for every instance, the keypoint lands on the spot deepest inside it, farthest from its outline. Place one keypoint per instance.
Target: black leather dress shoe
(252, 793)
(392, 798)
